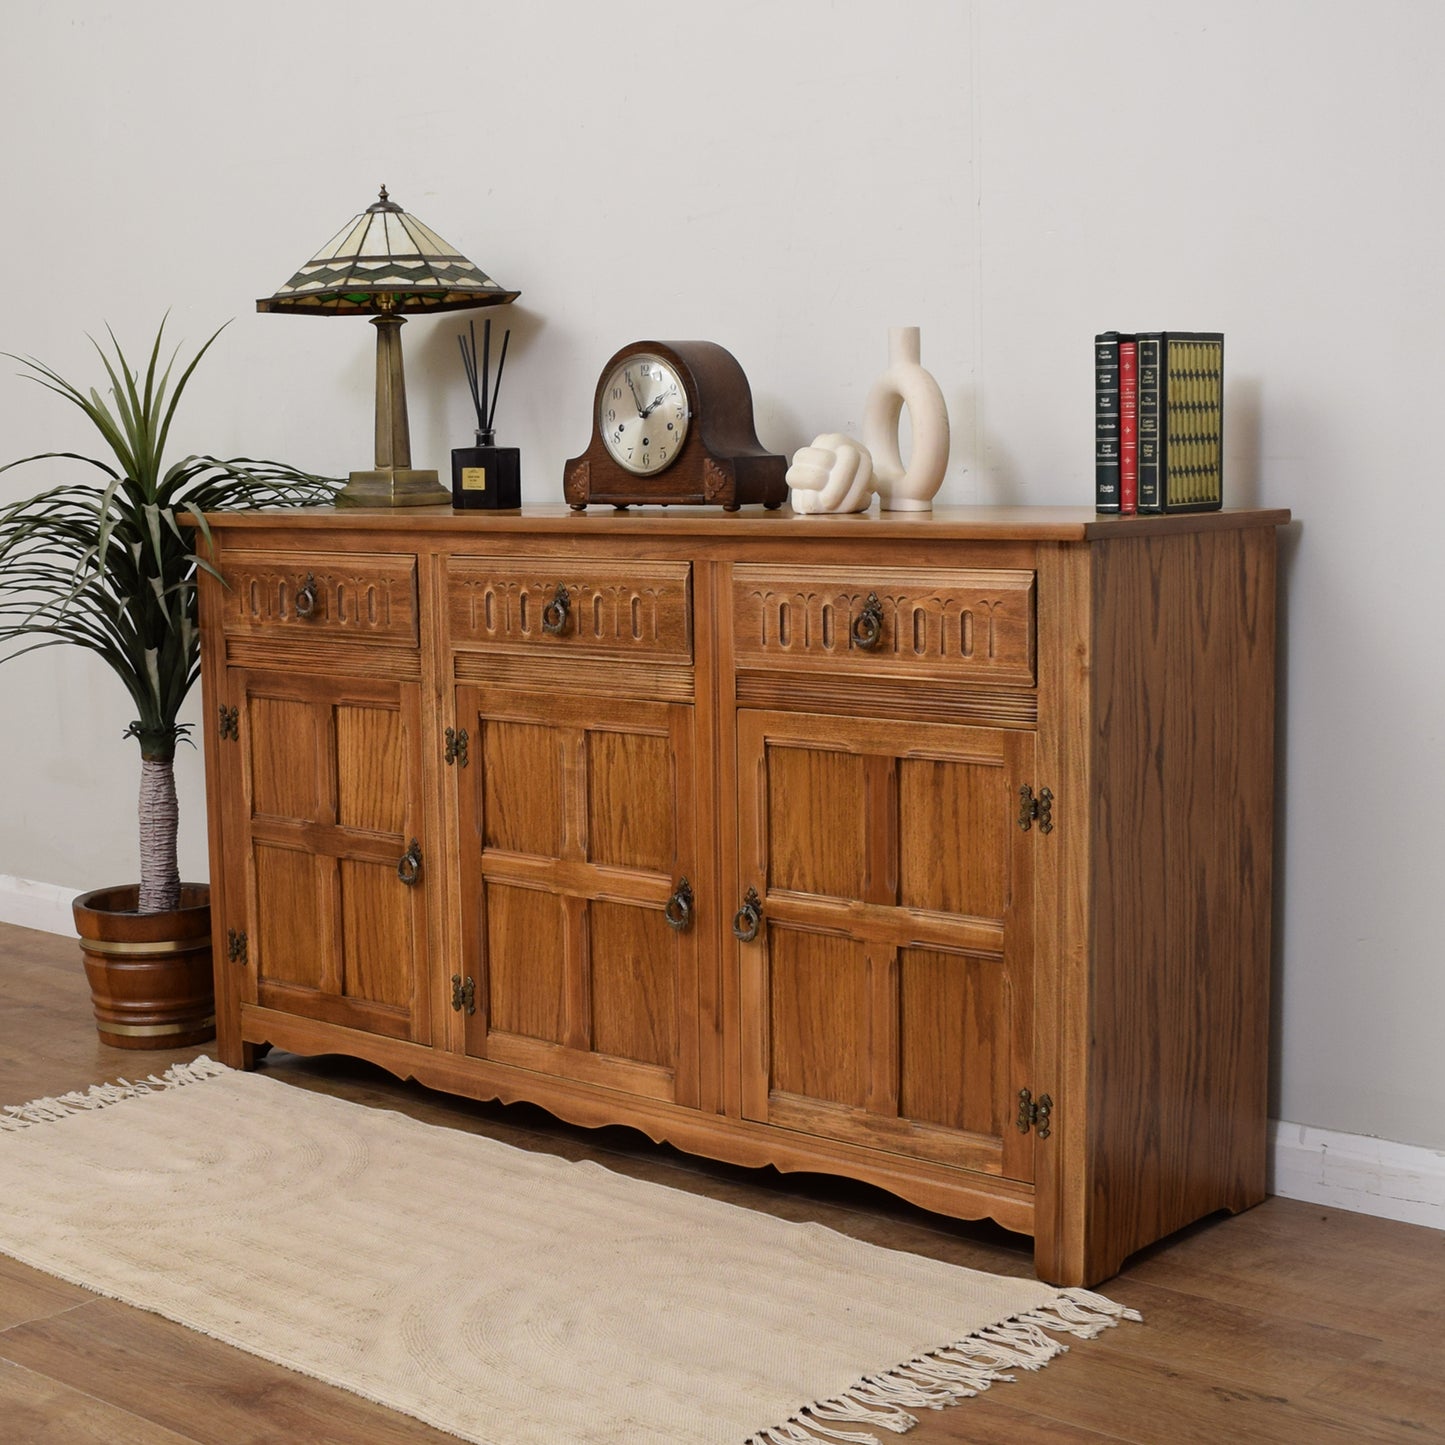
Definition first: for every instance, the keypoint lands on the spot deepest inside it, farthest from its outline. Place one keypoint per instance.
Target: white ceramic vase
(906, 383)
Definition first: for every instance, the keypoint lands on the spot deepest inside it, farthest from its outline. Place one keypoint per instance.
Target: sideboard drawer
(583, 607)
(341, 596)
(975, 623)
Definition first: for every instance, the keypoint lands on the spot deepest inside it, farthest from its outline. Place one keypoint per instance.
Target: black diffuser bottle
(485, 475)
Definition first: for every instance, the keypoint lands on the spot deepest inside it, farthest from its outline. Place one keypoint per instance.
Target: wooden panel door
(579, 844)
(886, 999)
(328, 803)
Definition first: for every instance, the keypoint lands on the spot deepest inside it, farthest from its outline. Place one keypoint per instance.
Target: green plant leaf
(111, 564)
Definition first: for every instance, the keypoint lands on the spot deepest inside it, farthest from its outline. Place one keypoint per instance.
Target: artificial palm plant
(110, 564)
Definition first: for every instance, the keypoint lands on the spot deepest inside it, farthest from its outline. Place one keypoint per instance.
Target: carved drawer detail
(976, 624)
(363, 597)
(591, 608)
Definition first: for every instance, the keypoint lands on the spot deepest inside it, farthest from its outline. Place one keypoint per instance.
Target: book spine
(1128, 427)
(1193, 383)
(1150, 422)
(1106, 421)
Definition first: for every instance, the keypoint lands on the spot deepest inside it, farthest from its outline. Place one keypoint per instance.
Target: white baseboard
(1354, 1172)
(45, 906)
(1342, 1171)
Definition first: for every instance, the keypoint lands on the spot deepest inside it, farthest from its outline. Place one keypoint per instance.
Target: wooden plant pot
(150, 973)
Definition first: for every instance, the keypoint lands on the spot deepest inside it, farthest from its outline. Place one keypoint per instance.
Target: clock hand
(636, 399)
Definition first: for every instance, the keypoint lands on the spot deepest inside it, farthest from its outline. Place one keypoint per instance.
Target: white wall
(790, 179)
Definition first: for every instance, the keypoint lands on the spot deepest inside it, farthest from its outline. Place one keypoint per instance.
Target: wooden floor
(1290, 1323)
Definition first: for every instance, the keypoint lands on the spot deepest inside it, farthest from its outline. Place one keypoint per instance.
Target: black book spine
(1151, 421)
(1106, 421)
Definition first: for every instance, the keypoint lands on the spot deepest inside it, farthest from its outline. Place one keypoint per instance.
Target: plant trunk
(160, 874)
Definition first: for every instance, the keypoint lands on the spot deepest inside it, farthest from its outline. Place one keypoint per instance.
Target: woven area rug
(507, 1297)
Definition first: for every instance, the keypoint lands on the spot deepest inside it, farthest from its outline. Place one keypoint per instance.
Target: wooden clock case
(721, 462)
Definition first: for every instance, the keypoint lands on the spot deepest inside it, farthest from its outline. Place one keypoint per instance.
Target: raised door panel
(886, 999)
(328, 803)
(578, 832)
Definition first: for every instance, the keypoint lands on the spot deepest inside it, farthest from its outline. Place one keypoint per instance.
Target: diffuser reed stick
(484, 391)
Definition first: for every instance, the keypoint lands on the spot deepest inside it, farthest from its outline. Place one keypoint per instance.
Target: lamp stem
(393, 434)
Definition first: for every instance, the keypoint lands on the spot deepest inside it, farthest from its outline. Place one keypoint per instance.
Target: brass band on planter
(173, 945)
(146, 1031)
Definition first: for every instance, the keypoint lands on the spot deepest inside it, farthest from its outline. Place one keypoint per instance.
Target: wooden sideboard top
(1042, 524)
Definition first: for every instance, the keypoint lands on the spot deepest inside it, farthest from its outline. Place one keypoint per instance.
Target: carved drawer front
(341, 596)
(572, 607)
(974, 624)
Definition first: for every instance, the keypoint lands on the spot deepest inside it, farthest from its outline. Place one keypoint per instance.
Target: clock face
(642, 413)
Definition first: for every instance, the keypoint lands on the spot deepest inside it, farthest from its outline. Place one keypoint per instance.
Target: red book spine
(1128, 427)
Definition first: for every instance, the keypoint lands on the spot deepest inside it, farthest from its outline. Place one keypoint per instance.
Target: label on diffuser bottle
(474, 479)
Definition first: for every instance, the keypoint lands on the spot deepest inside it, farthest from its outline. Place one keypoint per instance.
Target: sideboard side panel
(1180, 867)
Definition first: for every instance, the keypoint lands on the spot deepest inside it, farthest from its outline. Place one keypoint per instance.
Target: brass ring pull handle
(678, 909)
(408, 869)
(554, 614)
(748, 917)
(868, 625)
(306, 598)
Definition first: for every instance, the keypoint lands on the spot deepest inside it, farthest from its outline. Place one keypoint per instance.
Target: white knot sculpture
(835, 474)
(905, 382)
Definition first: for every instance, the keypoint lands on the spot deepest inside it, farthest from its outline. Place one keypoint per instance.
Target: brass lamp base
(394, 487)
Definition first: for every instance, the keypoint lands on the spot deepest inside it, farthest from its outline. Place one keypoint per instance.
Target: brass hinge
(1032, 809)
(1034, 1115)
(230, 723)
(236, 946)
(456, 749)
(464, 994)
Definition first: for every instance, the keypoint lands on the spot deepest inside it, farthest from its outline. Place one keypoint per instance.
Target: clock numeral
(616, 393)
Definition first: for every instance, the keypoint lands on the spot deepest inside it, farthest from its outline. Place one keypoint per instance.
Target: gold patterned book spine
(1193, 422)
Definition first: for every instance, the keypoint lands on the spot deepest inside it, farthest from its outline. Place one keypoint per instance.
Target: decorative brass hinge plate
(464, 994)
(1034, 1114)
(1032, 809)
(456, 748)
(236, 946)
(230, 723)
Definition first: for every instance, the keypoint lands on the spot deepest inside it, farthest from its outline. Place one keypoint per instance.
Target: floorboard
(1290, 1323)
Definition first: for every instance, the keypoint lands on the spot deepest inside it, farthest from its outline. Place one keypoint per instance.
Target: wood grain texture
(856, 529)
(325, 789)
(1184, 666)
(704, 713)
(614, 610)
(581, 824)
(963, 625)
(354, 598)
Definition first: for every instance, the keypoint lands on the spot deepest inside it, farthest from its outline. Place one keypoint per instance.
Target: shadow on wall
(1241, 441)
(1289, 544)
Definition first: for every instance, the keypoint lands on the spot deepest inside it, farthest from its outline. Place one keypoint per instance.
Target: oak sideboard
(933, 850)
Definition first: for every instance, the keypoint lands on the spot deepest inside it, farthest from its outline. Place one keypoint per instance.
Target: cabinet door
(326, 808)
(886, 999)
(578, 832)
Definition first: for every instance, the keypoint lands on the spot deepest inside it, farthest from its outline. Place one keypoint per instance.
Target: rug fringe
(951, 1373)
(101, 1096)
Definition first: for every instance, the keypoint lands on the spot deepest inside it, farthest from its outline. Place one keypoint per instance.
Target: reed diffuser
(485, 475)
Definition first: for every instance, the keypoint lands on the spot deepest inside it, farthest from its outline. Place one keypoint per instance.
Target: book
(1150, 344)
(1106, 421)
(1181, 421)
(1128, 427)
